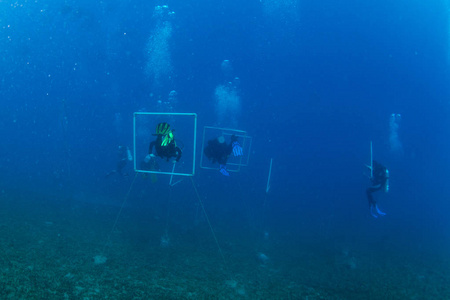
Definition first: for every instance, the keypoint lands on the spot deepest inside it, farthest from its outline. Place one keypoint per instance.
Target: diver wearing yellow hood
(165, 144)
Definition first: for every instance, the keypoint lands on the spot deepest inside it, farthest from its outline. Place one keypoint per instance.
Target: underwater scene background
(311, 83)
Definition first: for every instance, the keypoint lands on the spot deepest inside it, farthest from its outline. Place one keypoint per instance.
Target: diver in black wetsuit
(123, 156)
(380, 181)
(219, 151)
(165, 144)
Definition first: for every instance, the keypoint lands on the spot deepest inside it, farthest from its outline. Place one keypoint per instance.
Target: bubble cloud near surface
(281, 9)
(159, 66)
(394, 141)
(228, 105)
(159, 63)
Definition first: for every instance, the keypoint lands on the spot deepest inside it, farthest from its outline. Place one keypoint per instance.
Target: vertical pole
(371, 160)
(203, 147)
(171, 175)
(268, 178)
(134, 141)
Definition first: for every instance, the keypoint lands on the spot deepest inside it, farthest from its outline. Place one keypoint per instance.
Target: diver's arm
(150, 148)
(229, 149)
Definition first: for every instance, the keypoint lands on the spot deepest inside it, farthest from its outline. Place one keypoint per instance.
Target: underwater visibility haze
(260, 182)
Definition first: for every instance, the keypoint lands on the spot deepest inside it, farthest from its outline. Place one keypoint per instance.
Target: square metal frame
(227, 131)
(166, 114)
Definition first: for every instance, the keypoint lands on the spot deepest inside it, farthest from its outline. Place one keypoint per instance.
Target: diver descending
(380, 181)
(219, 151)
(165, 145)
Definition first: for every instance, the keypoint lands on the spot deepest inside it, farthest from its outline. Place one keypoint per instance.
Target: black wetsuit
(171, 150)
(219, 152)
(122, 159)
(379, 181)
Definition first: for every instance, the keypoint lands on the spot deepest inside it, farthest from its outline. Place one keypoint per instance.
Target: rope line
(119, 213)
(209, 223)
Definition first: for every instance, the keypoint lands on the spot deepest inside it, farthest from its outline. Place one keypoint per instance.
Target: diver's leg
(379, 211)
(223, 170)
(110, 173)
(372, 212)
(372, 202)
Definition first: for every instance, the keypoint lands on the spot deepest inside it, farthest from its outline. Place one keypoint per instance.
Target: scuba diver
(123, 156)
(380, 181)
(165, 144)
(219, 151)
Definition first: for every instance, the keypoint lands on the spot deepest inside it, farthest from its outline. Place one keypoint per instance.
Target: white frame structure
(173, 169)
(229, 132)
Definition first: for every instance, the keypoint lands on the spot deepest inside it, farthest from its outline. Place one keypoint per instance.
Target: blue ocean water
(312, 82)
